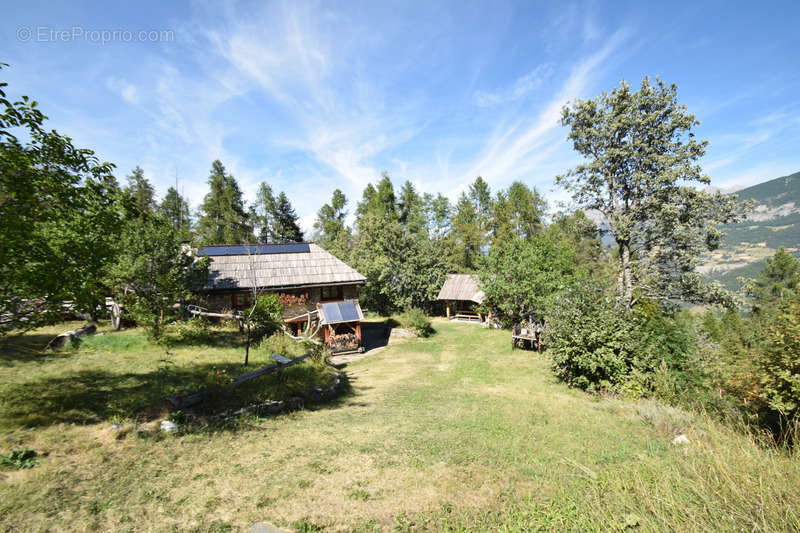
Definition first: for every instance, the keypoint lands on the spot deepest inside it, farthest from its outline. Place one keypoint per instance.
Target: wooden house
(303, 275)
(462, 294)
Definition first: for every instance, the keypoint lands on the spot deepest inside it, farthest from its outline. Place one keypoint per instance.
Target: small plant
(215, 384)
(20, 459)
(416, 320)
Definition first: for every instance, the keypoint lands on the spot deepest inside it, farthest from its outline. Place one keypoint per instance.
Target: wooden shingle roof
(462, 287)
(316, 267)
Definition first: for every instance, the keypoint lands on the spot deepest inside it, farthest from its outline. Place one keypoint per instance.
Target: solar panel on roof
(255, 249)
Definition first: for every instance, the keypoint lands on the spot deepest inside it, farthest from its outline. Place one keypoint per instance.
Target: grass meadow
(454, 432)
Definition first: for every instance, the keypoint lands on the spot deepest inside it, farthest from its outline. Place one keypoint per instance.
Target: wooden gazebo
(461, 294)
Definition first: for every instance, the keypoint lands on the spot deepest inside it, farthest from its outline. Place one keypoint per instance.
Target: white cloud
(125, 90)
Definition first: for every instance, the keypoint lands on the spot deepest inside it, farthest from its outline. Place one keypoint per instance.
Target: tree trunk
(626, 281)
(247, 345)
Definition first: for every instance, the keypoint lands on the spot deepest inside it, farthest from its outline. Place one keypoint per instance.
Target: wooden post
(447, 305)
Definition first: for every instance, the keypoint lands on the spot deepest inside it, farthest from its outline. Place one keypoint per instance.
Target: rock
(680, 439)
(168, 427)
(265, 528)
(402, 333)
(100, 334)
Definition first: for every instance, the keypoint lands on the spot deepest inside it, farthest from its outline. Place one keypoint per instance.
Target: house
(303, 275)
(461, 294)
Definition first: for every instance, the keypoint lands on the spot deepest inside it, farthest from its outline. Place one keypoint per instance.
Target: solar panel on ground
(336, 312)
(255, 249)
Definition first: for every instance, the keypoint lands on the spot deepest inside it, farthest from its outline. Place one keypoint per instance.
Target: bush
(266, 318)
(416, 320)
(283, 345)
(596, 345)
(193, 330)
(779, 364)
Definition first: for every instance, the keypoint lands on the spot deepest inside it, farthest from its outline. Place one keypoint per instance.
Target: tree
(140, 189)
(59, 220)
(175, 209)
(284, 221)
(379, 202)
(154, 271)
(583, 235)
(481, 197)
(402, 269)
(516, 213)
(781, 275)
(521, 279)
(640, 153)
(466, 239)
(223, 218)
(411, 212)
(330, 229)
(437, 215)
(779, 363)
(264, 212)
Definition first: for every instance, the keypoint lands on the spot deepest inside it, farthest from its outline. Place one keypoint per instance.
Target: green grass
(454, 433)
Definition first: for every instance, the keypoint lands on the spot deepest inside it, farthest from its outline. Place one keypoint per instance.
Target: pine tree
(284, 222)
(175, 209)
(330, 229)
(264, 211)
(465, 235)
(516, 213)
(141, 191)
(411, 211)
(223, 218)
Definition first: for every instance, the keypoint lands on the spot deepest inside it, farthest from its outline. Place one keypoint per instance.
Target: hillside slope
(773, 223)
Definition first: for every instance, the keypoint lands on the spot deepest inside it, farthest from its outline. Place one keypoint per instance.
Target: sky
(310, 97)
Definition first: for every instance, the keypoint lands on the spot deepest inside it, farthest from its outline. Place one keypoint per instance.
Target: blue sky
(313, 96)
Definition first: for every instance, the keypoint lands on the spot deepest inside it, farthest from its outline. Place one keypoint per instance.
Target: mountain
(773, 223)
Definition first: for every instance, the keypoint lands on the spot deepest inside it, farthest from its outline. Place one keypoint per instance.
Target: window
(332, 293)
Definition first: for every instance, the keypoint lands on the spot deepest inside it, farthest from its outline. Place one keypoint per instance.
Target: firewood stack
(343, 341)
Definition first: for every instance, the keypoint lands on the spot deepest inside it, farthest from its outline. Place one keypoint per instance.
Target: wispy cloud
(519, 89)
(518, 148)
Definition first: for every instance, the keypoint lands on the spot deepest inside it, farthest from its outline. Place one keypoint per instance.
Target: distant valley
(773, 223)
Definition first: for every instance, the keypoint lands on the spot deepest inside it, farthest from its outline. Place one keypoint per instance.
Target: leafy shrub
(596, 345)
(282, 344)
(194, 330)
(215, 384)
(416, 320)
(779, 364)
(20, 459)
(266, 317)
(589, 340)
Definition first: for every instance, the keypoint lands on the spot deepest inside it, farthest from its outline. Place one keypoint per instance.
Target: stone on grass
(680, 439)
(168, 427)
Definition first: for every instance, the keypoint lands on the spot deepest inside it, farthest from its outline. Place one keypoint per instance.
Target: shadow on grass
(28, 348)
(88, 397)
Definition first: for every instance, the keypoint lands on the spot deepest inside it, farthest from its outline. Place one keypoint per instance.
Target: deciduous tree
(640, 161)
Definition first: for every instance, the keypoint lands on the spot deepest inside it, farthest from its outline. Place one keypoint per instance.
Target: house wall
(295, 301)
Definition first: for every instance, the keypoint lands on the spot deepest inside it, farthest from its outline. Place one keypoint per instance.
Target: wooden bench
(530, 333)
